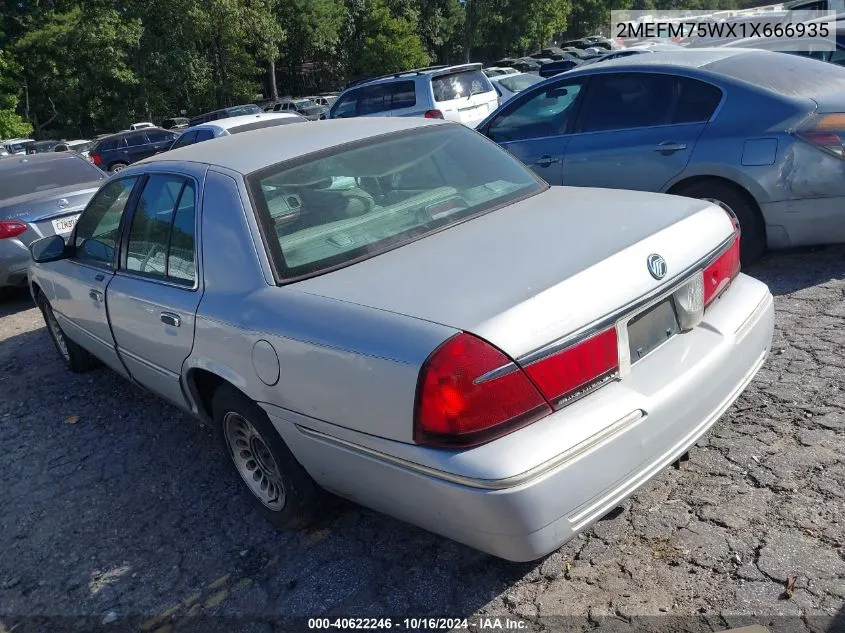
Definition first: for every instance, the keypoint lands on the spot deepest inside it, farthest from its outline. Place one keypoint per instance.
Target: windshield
(20, 178)
(460, 85)
(366, 198)
(515, 83)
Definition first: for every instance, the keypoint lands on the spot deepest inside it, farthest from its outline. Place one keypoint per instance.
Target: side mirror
(48, 249)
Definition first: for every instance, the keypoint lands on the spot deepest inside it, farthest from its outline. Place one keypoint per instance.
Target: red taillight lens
(455, 408)
(95, 158)
(826, 132)
(11, 229)
(568, 373)
(719, 274)
(433, 114)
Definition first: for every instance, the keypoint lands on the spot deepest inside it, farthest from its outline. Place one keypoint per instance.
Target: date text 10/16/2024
(491, 623)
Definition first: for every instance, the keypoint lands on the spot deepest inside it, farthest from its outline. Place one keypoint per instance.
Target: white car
(498, 71)
(234, 125)
(141, 125)
(17, 145)
(508, 85)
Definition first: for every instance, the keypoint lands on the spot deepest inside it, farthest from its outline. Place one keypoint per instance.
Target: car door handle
(168, 318)
(96, 295)
(668, 147)
(545, 161)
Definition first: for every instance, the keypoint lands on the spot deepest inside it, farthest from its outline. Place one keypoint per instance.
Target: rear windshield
(332, 209)
(22, 178)
(461, 84)
(246, 127)
(515, 83)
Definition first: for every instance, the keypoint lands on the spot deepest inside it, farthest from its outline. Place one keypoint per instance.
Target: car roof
(682, 58)
(138, 132)
(250, 151)
(48, 157)
(406, 75)
(243, 119)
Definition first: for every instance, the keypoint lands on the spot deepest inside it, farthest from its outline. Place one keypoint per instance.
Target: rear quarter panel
(747, 115)
(338, 362)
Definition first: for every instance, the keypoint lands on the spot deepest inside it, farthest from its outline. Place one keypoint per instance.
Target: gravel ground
(131, 517)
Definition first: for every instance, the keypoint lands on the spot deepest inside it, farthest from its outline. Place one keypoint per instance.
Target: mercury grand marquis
(399, 312)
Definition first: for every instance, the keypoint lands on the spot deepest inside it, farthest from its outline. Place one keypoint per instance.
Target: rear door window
(374, 99)
(404, 95)
(136, 140)
(695, 101)
(460, 85)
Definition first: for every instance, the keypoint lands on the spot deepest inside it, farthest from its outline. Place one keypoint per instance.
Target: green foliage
(389, 42)
(12, 124)
(91, 66)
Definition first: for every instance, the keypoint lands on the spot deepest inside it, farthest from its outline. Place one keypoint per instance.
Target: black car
(224, 113)
(175, 123)
(555, 68)
(120, 150)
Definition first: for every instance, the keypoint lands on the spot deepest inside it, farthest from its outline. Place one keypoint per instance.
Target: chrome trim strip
(499, 372)
(558, 461)
(608, 321)
(752, 319)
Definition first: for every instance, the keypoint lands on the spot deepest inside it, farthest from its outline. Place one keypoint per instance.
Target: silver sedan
(398, 312)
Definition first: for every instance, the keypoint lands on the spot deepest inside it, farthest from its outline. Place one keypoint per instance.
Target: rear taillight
(719, 274)
(11, 229)
(433, 114)
(575, 370)
(826, 132)
(461, 401)
(95, 158)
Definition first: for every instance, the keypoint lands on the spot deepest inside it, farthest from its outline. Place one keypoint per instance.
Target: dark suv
(120, 150)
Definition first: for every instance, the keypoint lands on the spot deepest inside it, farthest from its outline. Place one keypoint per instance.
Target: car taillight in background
(11, 229)
(826, 132)
(433, 114)
(463, 401)
(95, 158)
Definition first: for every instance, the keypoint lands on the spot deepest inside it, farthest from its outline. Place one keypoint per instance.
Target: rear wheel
(279, 487)
(76, 358)
(118, 167)
(738, 203)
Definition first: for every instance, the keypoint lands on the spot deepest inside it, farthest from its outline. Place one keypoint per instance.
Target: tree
(78, 69)
(390, 43)
(12, 124)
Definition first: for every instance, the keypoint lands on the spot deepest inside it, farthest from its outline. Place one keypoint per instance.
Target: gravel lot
(132, 518)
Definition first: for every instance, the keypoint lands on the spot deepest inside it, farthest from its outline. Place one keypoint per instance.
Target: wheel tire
(76, 358)
(271, 461)
(752, 244)
(117, 167)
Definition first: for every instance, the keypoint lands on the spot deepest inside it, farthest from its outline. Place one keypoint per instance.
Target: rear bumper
(804, 222)
(524, 495)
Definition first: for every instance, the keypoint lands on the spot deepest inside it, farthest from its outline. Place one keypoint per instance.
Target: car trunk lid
(52, 212)
(539, 270)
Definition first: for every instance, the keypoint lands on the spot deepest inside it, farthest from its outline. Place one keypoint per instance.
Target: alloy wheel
(254, 461)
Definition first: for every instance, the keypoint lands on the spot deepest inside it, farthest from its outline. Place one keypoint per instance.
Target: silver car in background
(761, 133)
(40, 195)
(399, 312)
(234, 125)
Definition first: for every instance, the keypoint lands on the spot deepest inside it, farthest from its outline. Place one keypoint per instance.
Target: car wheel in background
(118, 167)
(279, 487)
(76, 358)
(739, 203)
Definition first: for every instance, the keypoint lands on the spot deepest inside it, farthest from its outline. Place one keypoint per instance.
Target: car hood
(40, 205)
(537, 270)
